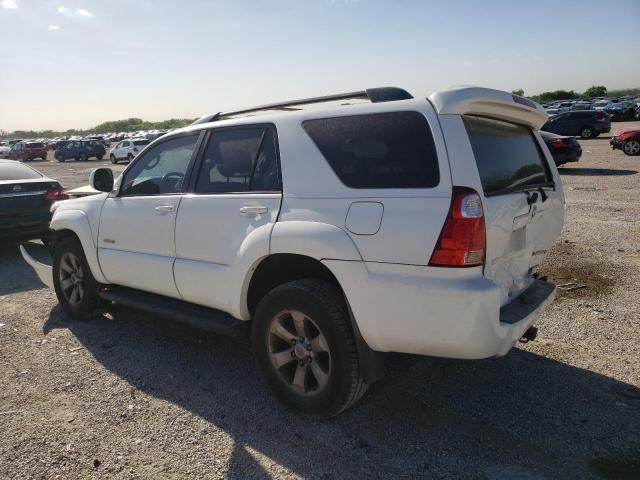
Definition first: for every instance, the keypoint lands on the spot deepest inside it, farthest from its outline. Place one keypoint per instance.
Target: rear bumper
(43, 271)
(437, 312)
(24, 233)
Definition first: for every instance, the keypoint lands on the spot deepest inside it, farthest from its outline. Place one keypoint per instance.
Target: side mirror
(101, 179)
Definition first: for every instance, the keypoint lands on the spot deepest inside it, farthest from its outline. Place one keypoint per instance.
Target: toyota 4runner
(334, 228)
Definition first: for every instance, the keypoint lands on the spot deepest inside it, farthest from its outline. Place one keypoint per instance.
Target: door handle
(164, 209)
(252, 211)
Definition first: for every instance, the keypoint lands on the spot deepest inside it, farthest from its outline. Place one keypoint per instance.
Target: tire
(59, 158)
(330, 381)
(70, 264)
(99, 157)
(129, 157)
(113, 159)
(587, 132)
(83, 157)
(631, 147)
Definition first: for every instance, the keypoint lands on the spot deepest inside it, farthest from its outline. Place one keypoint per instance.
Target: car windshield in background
(508, 156)
(16, 171)
(380, 150)
(141, 142)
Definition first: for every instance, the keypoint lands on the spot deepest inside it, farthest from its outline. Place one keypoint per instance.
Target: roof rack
(375, 95)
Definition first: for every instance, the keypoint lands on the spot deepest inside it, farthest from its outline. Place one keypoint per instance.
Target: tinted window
(579, 116)
(35, 145)
(240, 160)
(16, 171)
(381, 150)
(507, 155)
(161, 170)
(141, 142)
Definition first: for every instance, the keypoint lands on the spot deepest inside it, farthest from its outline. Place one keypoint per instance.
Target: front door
(136, 246)
(224, 225)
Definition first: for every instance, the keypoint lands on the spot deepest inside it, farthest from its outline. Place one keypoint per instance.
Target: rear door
(224, 225)
(523, 200)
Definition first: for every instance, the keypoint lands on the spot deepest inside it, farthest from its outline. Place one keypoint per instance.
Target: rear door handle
(164, 209)
(252, 211)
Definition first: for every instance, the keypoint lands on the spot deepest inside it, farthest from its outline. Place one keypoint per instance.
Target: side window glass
(161, 170)
(239, 160)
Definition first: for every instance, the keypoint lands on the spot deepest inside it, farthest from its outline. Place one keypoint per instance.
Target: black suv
(79, 150)
(580, 123)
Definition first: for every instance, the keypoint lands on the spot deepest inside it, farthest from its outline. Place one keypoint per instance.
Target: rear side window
(380, 150)
(508, 156)
(141, 142)
(35, 145)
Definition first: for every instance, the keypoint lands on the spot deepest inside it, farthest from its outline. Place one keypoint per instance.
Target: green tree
(596, 91)
(519, 92)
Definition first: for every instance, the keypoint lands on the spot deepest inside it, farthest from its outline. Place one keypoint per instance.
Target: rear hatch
(24, 203)
(523, 201)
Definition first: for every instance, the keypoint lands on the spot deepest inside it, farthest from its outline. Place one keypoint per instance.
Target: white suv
(376, 223)
(127, 149)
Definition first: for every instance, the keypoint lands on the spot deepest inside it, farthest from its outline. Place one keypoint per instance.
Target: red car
(627, 140)
(28, 151)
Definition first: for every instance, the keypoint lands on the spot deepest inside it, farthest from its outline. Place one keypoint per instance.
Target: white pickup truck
(334, 228)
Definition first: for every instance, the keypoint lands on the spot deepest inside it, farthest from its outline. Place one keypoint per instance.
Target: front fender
(77, 222)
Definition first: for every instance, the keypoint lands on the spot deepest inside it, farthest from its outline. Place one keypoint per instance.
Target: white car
(4, 151)
(127, 149)
(389, 225)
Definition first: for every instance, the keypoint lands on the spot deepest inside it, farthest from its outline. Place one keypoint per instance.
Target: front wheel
(59, 158)
(83, 157)
(99, 157)
(75, 287)
(305, 349)
(631, 147)
(113, 159)
(129, 157)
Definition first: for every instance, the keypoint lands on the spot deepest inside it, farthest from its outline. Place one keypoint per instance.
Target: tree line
(591, 92)
(126, 125)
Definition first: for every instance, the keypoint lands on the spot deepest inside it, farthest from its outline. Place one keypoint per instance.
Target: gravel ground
(128, 395)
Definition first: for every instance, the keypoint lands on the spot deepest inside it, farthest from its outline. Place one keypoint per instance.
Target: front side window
(508, 156)
(380, 150)
(162, 169)
(240, 160)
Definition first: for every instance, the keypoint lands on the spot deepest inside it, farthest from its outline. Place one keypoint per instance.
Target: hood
(625, 131)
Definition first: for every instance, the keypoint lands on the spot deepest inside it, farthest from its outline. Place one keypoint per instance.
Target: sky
(77, 63)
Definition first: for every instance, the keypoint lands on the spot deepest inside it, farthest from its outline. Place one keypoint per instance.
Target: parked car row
(619, 109)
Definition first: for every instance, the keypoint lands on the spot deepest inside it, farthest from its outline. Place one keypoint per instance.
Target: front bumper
(615, 143)
(43, 271)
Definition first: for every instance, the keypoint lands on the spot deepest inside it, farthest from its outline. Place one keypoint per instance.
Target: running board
(184, 312)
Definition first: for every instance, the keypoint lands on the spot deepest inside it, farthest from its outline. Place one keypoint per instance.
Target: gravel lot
(128, 395)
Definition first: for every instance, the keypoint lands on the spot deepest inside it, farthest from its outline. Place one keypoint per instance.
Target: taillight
(559, 143)
(601, 116)
(56, 193)
(462, 240)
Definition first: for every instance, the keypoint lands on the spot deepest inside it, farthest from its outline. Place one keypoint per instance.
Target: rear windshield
(380, 150)
(16, 171)
(35, 145)
(141, 142)
(508, 156)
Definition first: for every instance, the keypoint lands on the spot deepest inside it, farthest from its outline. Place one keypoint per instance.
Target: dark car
(620, 112)
(79, 150)
(25, 201)
(563, 149)
(581, 123)
(28, 151)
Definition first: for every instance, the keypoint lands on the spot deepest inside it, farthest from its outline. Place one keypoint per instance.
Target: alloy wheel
(632, 147)
(71, 278)
(299, 352)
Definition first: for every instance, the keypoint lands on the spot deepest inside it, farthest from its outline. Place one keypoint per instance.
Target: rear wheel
(59, 158)
(631, 147)
(75, 287)
(113, 159)
(305, 349)
(587, 132)
(99, 157)
(83, 157)
(129, 157)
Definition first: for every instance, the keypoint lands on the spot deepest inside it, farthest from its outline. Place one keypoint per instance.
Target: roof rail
(375, 95)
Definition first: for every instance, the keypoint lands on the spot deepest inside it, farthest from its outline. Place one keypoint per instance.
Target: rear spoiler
(488, 102)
